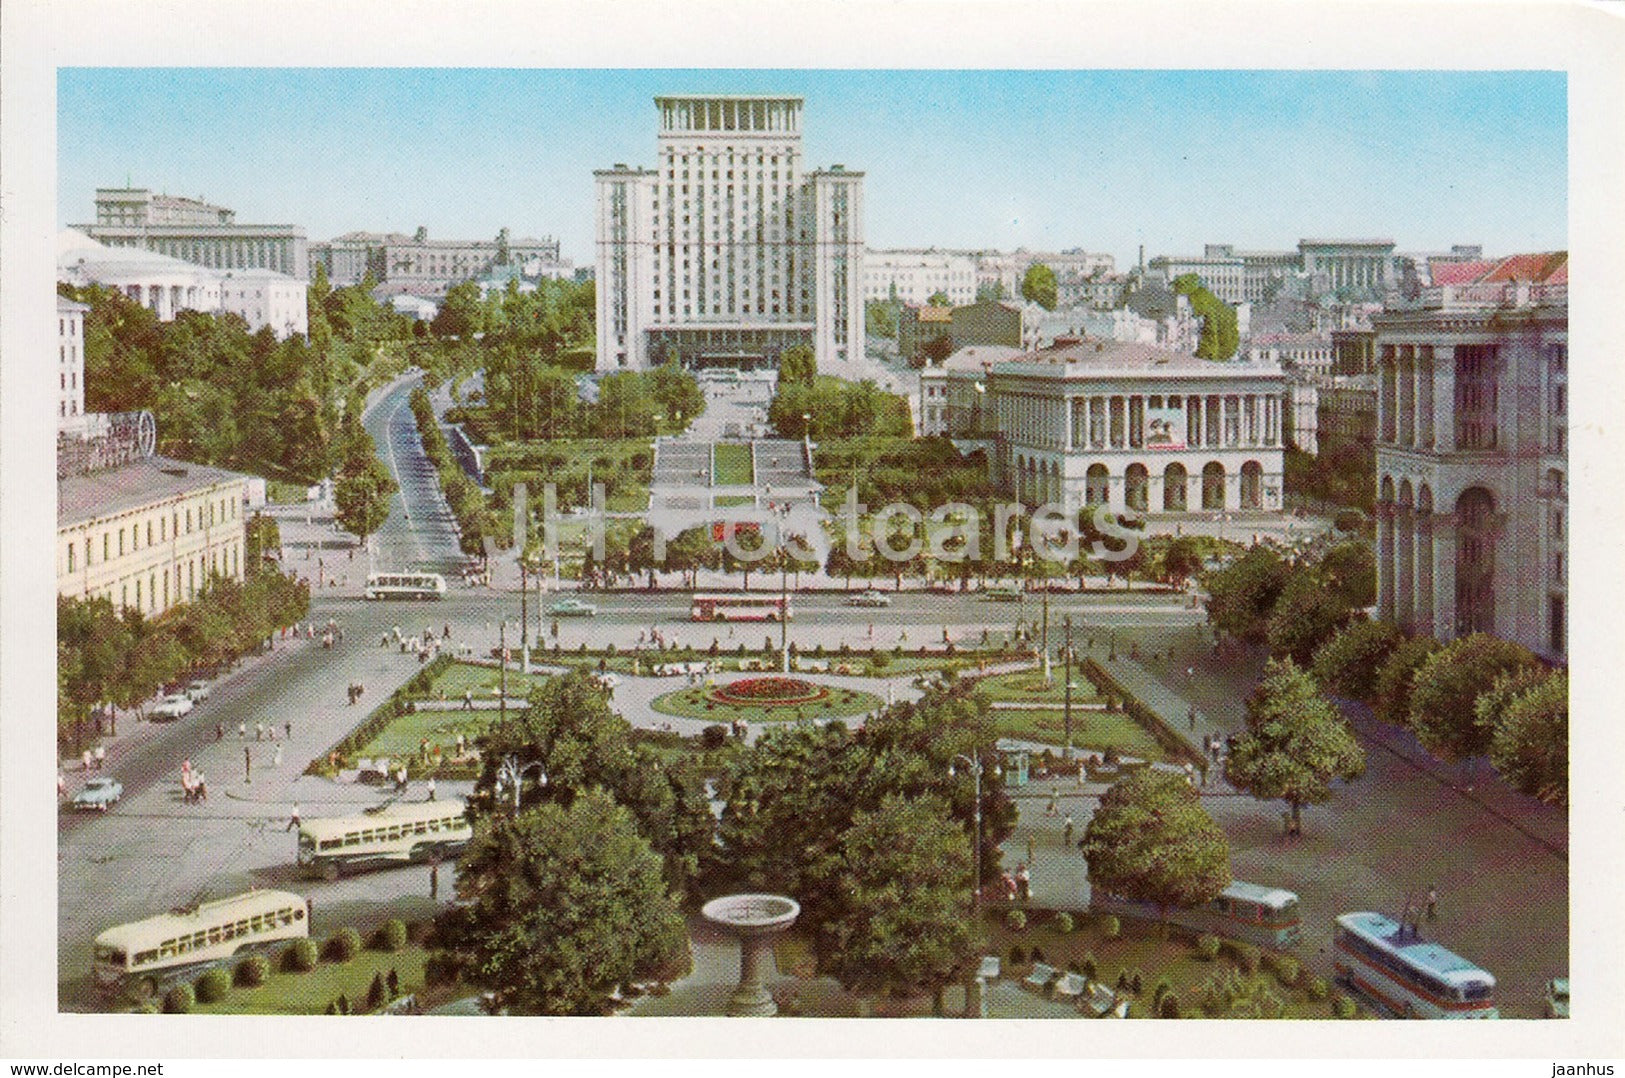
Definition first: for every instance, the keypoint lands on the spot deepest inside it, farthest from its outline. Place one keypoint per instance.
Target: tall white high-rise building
(728, 251)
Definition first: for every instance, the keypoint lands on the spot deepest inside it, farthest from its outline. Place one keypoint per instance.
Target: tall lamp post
(974, 764)
(1066, 748)
(783, 513)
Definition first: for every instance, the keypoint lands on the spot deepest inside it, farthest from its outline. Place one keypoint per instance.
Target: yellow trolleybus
(141, 959)
(394, 834)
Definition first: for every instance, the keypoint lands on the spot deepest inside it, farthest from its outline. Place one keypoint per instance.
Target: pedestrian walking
(293, 819)
(88, 759)
(259, 731)
(101, 756)
(1029, 847)
(1190, 671)
(1024, 883)
(287, 729)
(200, 787)
(1433, 903)
(434, 879)
(1066, 832)
(1054, 806)
(468, 700)
(431, 787)
(276, 756)
(1191, 716)
(248, 764)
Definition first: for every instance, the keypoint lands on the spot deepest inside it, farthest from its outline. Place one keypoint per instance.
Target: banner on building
(1165, 427)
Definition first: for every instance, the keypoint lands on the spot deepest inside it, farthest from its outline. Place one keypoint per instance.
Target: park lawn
(732, 465)
(282, 492)
(729, 501)
(691, 703)
(1139, 947)
(1019, 687)
(403, 737)
(1093, 730)
(310, 993)
(482, 681)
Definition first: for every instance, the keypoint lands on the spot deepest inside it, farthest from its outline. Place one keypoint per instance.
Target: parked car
(1557, 997)
(869, 598)
(571, 607)
(100, 794)
(173, 707)
(198, 691)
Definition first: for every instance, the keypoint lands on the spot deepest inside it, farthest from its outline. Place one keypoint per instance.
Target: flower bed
(768, 692)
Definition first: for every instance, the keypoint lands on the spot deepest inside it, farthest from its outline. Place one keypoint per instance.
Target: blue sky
(1103, 160)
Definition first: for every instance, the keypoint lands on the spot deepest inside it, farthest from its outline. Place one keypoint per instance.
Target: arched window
(1097, 485)
(1252, 485)
(1173, 488)
(1136, 487)
(1475, 561)
(1213, 486)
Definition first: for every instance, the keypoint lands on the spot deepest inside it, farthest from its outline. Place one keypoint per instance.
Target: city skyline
(340, 150)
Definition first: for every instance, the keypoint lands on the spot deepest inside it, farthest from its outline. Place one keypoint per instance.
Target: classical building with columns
(729, 251)
(195, 231)
(1472, 456)
(1138, 428)
(1364, 266)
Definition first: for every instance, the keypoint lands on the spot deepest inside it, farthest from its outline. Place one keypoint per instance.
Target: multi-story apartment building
(1077, 272)
(1135, 427)
(1472, 455)
(142, 531)
(418, 265)
(1220, 270)
(914, 275)
(195, 231)
(70, 362)
(729, 250)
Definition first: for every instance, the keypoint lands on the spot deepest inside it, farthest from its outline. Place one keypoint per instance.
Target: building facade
(1358, 266)
(70, 361)
(730, 250)
(918, 325)
(148, 534)
(1074, 269)
(913, 275)
(266, 298)
(953, 395)
(1137, 428)
(1221, 272)
(418, 265)
(1472, 457)
(195, 231)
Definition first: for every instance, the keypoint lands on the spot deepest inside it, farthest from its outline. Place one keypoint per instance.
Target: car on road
(570, 607)
(1557, 997)
(198, 691)
(173, 707)
(1002, 594)
(99, 794)
(869, 598)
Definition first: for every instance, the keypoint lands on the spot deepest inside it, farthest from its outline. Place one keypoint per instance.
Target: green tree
(460, 313)
(1181, 560)
(361, 495)
(1220, 335)
(1395, 679)
(797, 366)
(560, 907)
(939, 299)
(1295, 743)
(1150, 840)
(903, 928)
(1447, 686)
(1350, 570)
(1305, 616)
(1349, 663)
(937, 349)
(990, 290)
(880, 319)
(1530, 747)
(677, 395)
(261, 537)
(1241, 596)
(1038, 285)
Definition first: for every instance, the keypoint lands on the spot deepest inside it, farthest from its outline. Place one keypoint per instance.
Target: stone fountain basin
(752, 915)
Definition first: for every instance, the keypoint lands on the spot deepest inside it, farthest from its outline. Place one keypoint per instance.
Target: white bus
(141, 959)
(405, 586)
(1267, 916)
(739, 607)
(394, 834)
(1395, 968)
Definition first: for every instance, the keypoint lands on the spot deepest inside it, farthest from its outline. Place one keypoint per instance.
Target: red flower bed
(768, 691)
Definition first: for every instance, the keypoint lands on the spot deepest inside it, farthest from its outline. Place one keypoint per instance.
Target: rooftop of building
(978, 357)
(797, 98)
(1090, 356)
(103, 493)
(1537, 278)
(930, 312)
(63, 303)
(254, 273)
(1346, 243)
(77, 251)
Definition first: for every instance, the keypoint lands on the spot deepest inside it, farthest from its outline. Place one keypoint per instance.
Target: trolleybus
(405, 586)
(143, 958)
(1267, 916)
(1406, 975)
(740, 608)
(395, 834)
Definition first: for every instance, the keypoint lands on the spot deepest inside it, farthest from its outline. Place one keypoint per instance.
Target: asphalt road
(420, 532)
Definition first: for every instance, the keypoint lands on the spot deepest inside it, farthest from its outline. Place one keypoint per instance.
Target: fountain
(755, 919)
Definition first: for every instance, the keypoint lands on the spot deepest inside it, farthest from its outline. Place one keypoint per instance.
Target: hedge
(213, 986)
(252, 971)
(342, 945)
(180, 1000)
(1172, 742)
(391, 936)
(299, 956)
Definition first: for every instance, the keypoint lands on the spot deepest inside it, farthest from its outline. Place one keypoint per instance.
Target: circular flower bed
(768, 691)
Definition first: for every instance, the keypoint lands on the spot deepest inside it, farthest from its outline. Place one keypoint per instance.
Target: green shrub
(180, 1000)
(299, 956)
(1207, 947)
(1015, 920)
(1037, 955)
(144, 1008)
(342, 945)
(1287, 969)
(213, 986)
(252, 971)
(713, 737)
(1111, 927)
(391, 935)
(440, 968)
(332, 1007)
(1162, 988)
(343, 1003)
(376, 993)
(1168, 1006)
(1136, 980)
(1318, 989)
(1343, 1007)
(1064, 923)
(1246, 956)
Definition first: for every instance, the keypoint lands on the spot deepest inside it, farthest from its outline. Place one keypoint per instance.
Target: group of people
(354, 692)
(95, 759)
(194, 787)
(1018, 885)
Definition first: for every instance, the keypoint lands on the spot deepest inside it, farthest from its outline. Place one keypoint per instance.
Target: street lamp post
(524, 617)
(974, 763)
(1066, 748)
